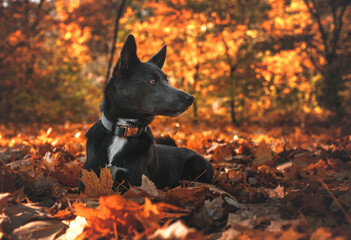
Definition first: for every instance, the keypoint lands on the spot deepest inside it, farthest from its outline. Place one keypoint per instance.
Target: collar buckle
(130, 132)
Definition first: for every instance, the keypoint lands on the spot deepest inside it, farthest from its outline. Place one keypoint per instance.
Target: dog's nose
(189, 98)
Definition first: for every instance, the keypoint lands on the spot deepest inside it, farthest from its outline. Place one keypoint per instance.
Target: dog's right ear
(160, 57)
(128, 55)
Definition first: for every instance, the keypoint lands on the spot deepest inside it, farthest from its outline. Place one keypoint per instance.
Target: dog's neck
(122, 119)
(117, 123)
(123, 127)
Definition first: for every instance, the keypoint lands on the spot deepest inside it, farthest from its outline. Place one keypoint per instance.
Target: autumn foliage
(243, 60)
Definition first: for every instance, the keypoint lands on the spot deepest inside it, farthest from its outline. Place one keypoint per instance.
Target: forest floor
(276, 183)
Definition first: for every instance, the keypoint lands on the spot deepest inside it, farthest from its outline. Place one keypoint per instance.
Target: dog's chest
(115, 148)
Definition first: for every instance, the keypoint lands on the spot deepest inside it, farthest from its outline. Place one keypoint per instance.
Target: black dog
(121, 139)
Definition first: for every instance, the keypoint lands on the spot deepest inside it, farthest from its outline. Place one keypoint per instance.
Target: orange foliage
(252, 166)
(71, 31)
(237, 59)
(117, 216)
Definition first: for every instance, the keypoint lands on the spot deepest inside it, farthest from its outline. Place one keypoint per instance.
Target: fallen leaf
(277, 193)
(21, 214)
(47, 230)
(177, 230)
(221, 152)
(263, 153)
(7, 179)
(210, 213)
(192, 197)
(4, 197)
(75, 228)
(149, 187)
(97, 186)
(330, 234)
(291, 234)
(68, 173)
(119, 215)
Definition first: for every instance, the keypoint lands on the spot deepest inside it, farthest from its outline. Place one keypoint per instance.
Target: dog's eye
(152, 81)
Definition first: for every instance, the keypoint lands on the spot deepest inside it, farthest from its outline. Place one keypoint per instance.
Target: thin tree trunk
(232, 110)
(119, 12)
(233, 83)
(233, 86)
(196, 76)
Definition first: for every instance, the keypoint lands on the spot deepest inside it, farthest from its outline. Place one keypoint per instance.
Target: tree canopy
(243, 60)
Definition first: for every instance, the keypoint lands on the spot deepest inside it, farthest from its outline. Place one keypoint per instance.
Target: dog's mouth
(171, 113)
(174, 112)
(146, 118)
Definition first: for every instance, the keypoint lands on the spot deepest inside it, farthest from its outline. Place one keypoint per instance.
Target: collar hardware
(122, 131)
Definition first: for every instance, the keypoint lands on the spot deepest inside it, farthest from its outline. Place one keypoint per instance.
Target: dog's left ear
(128, 55)
(160, 57)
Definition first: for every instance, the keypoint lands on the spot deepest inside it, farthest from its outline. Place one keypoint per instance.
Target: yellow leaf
(97, 186)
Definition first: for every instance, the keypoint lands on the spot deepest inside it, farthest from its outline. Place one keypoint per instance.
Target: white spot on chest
(115, 147)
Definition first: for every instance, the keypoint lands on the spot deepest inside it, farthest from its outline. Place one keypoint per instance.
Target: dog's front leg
(119, 175)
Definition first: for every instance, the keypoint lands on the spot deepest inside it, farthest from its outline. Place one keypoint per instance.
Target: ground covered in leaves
(280, 183)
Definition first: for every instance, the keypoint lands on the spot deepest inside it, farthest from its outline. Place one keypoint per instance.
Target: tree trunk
(119, 12)
(195, 112)
(331, 87)
(332, 75)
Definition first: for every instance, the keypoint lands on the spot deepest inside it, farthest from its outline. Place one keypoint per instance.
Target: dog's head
(141, 89)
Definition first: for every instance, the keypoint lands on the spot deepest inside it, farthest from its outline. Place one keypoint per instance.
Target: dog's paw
(118, 174)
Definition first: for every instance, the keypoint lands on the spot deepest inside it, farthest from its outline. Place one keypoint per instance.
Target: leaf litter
(267, 185)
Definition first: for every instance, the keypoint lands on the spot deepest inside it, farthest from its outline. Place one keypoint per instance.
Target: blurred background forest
(245, 61)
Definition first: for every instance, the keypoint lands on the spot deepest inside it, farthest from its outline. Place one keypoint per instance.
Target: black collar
(122, 131)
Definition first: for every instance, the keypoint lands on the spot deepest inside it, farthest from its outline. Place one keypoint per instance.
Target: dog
(137, 92)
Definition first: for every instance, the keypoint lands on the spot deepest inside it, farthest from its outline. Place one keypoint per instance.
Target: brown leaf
(221, 152)
(263, 153)
(21, 214)
(277, 193)
(68, 173)
(147, 189)
(3, 199)
(7, 179)
(190, 196)
(177, 230)
(210, 214)
(46, 230)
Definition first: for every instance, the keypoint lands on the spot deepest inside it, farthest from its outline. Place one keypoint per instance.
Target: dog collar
(122, 131)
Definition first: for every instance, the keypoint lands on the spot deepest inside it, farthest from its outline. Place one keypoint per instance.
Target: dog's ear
(128, 55)
(159, 58)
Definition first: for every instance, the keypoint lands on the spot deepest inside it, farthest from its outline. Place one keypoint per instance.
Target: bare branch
(316, 15)
(338, 23)
(115, 34)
